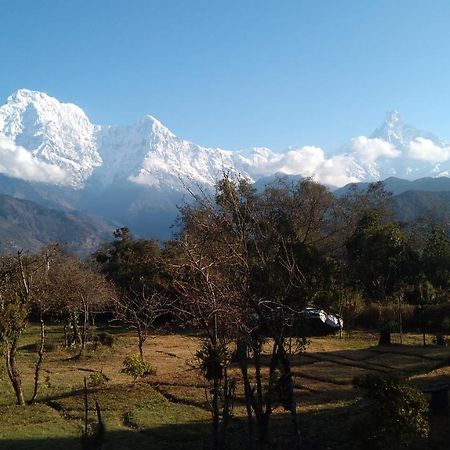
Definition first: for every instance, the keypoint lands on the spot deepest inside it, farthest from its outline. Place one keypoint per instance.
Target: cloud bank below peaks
(423, 149)
(352, 164)
(17, 162)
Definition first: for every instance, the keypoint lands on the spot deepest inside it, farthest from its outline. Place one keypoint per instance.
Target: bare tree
(142, 310)
(208, 301)
(77, 291)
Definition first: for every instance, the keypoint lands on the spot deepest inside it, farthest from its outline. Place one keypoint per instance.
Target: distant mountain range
(398, 185)
(412, 199)
(137, 175)
(25, 225)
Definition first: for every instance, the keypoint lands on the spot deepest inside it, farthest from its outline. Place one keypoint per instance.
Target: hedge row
(432, 318)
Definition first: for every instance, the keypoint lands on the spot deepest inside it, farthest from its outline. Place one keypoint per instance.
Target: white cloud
(337, 170)
(17, 162)
(370, 149)
(426, 150)
(306, 160)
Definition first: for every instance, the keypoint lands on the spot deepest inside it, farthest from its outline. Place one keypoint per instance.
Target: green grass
(31, 426)
(169, 410)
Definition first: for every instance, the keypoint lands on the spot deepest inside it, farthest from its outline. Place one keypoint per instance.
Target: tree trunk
(37, 370)
(243, 363)
(264, 423)
(75, 329)
(215, 414)
(85, 327)
(291, 403)
(259, 392)
(13, 371)
(227, 393)
(86, 408)
(400, 321)
(66, 337)
(141, 341)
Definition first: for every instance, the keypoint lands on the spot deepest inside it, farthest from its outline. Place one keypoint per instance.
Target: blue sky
(236, 73)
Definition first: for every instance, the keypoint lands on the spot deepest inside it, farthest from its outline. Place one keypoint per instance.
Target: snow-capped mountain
(50, 151)
(58, 134)
(67, 149)
(148, 153)
(400, 134)
(421, 153)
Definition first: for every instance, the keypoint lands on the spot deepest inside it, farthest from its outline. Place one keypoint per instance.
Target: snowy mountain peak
(57, 134)
(156, 127)
(392, 117)
(401, 134)
(43, 139)
(27, 95)
(44, 105)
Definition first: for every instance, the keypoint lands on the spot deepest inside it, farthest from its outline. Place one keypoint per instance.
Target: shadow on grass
(325, 429)
(338, 366)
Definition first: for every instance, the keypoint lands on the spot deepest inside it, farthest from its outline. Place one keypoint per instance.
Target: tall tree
(263, 246)
(377, 254)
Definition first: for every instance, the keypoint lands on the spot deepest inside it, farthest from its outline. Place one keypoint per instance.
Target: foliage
(76, 293)
(131, 263)
(136, 367)
(105, 338)
(213, 359)
(397, 412)
(436, 257)
(97, 379)
(377, 255)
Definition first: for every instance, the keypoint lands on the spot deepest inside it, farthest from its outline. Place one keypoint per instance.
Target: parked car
(322, 322)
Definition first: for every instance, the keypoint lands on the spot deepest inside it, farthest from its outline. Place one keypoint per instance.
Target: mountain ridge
(27, 225)
(147, 152)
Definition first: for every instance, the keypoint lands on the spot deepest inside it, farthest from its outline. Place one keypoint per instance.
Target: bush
(353, 309)
(105, 338)
(435, 318)
(396, 413)
(136, 367)
(213, 359)
(440, 340)
(97, 379)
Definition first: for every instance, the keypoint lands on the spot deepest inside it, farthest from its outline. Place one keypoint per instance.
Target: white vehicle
(332, 320)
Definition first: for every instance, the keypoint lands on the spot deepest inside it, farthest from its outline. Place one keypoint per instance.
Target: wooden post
(400, 323)
(85, 409)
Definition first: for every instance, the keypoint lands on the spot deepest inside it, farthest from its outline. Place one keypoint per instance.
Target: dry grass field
(168, 410)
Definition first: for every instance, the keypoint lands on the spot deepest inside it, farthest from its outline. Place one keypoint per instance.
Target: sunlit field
(170, 409)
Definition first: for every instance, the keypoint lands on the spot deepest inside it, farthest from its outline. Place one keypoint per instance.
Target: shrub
(136, 367)
(352, 309)
(106, 339)
(213, 359)
(97, 379)
(396, 413)
(440, 340)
